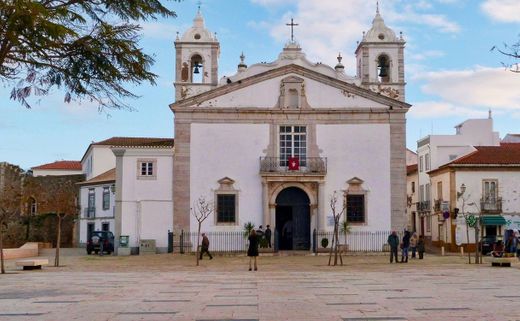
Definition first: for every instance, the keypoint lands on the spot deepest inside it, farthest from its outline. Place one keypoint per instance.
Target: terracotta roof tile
(61, 165)
(107, 176)
(505, 154)
(137, 141)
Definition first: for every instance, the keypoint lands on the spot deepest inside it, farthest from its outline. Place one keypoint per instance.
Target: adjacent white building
(58, 168)
(272, 143)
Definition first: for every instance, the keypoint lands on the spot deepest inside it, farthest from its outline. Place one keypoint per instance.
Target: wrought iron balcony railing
(89, 212)
(423, 206)
(309, 165)
(491, 205)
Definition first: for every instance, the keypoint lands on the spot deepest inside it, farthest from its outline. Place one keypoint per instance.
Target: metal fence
(235, 242)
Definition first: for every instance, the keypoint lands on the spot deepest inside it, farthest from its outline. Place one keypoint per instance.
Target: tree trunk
(337, 237)
(198, 241)
(58, 241)
(467, 237)
(2, 268)
(331, 248)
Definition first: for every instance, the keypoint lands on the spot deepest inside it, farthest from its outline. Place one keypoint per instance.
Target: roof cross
(292, 24)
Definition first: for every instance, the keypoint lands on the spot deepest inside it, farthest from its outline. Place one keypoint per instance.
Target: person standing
(393, 241)
(252, 250)
(421, 247)
(267, 235)
(260, 232)
(204, 248)
(413, 244)
(406, 245)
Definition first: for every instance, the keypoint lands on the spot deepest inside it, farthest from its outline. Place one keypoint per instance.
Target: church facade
(271, 144)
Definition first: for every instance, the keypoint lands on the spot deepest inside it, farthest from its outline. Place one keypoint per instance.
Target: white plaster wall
(508, 188)
(147, 204)
(55, 172)
(101, 215)
(103, 160)
(266, 94)
(361, 151)
(232, 150)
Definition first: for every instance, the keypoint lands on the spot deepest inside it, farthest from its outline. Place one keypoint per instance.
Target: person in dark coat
(406, 245)
(421, 247)
(204, 248)
(252, 250)
(267, 235)
(393, 241)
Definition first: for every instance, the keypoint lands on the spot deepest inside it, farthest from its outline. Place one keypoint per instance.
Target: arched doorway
(293, 219)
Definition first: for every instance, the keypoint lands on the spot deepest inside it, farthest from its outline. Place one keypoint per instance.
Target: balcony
(491, 206)
(277, 165)
(437, 205)
(89, 212)
(423, 206)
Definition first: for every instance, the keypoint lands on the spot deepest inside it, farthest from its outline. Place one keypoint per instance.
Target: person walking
(406, 246)
(267, 235)
(393, 241)
(421, 247)
(252, 250)
(413, 244)
(204, 248)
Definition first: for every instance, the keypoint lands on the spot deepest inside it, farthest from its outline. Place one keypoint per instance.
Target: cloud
(502, 10)
(426, 55)
(439, 109)
(479, 87)
(160, 30)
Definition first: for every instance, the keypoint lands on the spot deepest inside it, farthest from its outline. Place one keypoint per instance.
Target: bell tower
(380, 60)
(196, 60)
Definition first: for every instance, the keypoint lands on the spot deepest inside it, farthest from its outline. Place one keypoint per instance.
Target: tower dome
(198, 32)
(379, 31)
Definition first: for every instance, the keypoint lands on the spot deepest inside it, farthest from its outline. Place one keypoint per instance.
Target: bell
(196, 71)
(383, 72)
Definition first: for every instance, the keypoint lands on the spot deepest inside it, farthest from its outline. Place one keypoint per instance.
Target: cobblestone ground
(299, 288)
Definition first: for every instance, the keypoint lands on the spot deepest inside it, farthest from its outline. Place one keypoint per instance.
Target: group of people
(410, 242)
(254, 238)
(512, 245)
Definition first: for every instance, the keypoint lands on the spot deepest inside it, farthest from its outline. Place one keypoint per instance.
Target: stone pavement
(166, 287)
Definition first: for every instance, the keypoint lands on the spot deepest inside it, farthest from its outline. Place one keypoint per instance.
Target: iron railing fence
(311, 165)
(235, 242)
(491, 205)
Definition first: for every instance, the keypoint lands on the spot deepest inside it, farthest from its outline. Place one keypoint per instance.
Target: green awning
(492, 220)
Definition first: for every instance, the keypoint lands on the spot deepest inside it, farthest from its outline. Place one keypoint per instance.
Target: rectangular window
(427, 161)
(356, 208)
(413, 187)
(105, 227)
(439, 190)
(421, 163)
(427, 192)
(421, 193)
(106, 198)
(226, 208)
(146, 168)
(293, 143)
(91, 206)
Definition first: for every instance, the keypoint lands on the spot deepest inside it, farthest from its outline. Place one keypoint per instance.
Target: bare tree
(336, 214)
(512, 52)
(201, 210)
(62, 204)
(10, 203)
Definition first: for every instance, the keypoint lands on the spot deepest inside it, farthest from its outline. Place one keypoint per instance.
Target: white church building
(272, 143)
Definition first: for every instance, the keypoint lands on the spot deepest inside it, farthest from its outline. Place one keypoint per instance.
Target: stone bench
(503, 261)
(32, 264)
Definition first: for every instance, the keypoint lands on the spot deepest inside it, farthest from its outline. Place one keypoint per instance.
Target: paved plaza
(299, 288)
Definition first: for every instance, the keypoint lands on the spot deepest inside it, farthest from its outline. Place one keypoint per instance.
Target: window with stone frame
(355, 198)
(146, 168)
(293, 143)
(226, 203)
(106, 198)
(91, 205)
(490, 190)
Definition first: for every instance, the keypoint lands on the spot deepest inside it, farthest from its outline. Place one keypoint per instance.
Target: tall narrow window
(439, 191)
(383, 68)
(197, 70)
(427, 161)
(421, 164)
(33, 206)
(293, 143)
(106, 198)
(91, 206)
(490, 191)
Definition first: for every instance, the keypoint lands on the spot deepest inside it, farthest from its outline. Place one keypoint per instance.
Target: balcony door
(293, 143)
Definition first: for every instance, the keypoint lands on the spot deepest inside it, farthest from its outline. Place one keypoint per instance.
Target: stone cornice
(196, 100)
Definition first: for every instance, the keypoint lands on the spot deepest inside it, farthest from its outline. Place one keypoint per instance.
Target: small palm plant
(247, 229)
(345, 228)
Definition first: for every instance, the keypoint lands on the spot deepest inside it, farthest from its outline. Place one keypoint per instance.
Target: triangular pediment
(263, 90)
(355, 181)
(226, 181)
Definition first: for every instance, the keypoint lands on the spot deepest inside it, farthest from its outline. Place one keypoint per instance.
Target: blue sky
(450, 72)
